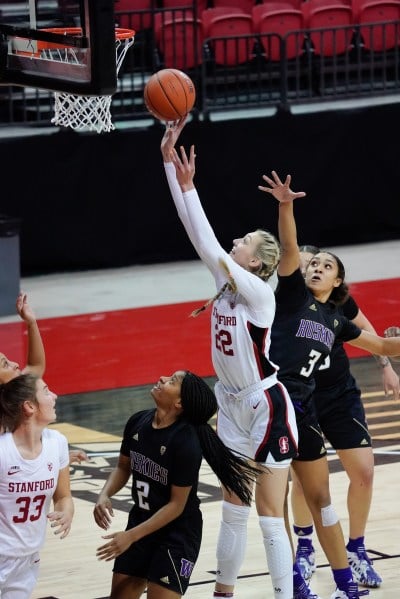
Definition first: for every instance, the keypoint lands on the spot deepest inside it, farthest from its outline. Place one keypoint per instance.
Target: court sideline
(66, 294)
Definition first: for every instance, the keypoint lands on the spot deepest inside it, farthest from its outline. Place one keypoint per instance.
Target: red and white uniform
(249, 418)
(26, 491)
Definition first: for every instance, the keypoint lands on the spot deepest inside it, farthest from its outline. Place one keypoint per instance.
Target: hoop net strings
(91, 113)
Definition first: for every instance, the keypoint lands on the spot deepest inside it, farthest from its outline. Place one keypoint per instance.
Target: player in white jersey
(34, 470)
(35, 360)
(255, 416)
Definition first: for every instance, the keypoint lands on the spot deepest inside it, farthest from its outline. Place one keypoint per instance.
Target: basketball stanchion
(88, 113)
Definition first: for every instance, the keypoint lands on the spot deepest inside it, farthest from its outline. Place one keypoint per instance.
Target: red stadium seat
(384, 34)
(141, 16)
(274, 4)
(333, 22)
(357, 5)
(200, 5)
(244, 5)
(235, 27)
(267, 19)
(179, 39)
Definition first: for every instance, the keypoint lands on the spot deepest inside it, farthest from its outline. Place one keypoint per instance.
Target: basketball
(169, 95)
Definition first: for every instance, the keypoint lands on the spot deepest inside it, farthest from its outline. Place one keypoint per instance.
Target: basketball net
(89, 113)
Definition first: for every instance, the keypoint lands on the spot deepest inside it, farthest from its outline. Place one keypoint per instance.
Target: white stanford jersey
(26, 491)
(240, 322)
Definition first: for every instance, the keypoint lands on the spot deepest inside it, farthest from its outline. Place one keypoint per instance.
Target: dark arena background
(98, 201)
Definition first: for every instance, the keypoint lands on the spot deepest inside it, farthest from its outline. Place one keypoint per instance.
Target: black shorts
(164, 559)
(311, 439)
(342, 418)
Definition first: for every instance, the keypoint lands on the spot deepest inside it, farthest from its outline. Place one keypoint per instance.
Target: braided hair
(199, 405)
(12, 397)
(268, 251)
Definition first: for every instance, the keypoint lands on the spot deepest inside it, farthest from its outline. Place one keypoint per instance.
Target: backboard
(59, 45)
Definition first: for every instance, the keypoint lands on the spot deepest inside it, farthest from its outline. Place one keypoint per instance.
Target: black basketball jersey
(161, 458)
(303, 334)
(333, 374)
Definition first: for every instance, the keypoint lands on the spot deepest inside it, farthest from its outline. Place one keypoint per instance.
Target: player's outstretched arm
(290, 255)
(36, 357)
(393, 332)
(390, 379)
(117, 479)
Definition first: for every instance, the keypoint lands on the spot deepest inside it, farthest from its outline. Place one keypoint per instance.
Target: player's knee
(271, 527)
(233, 529)
(235, 514)
(277, 545)
(329, 516)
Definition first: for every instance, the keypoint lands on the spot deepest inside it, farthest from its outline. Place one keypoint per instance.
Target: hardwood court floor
(69, 569)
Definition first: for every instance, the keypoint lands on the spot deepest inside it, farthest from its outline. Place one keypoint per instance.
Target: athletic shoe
(305, 558)
(304, 592)
(361, 567)
(352, 593)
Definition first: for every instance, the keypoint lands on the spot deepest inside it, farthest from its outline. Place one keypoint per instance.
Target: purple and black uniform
(159, 459)
(337, 397)
(303, 335)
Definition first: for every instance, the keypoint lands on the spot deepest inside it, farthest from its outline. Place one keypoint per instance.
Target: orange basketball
(169, 95)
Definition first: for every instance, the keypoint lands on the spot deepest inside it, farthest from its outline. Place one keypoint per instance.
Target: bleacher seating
(245, 5)
(337, 49)
(179, 39)
(373, 7)
(278, 4)
(134, 14)
(268, 18)
(227, 32)
(384, 35)
(197, 6)
(333, 21)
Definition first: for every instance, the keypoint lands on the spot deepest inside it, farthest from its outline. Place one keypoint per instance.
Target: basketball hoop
(90, 113)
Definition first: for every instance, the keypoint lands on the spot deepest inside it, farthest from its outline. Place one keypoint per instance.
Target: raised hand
(24, 309)
(280, 191)
(185, 167)
(170, 137)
